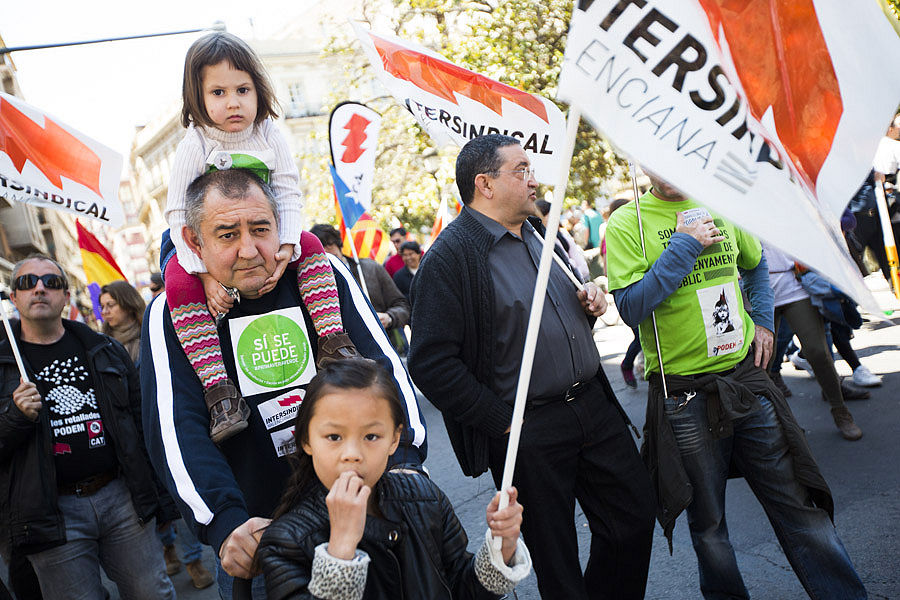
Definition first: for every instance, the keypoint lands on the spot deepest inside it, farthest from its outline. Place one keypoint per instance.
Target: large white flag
(46, 163)
(766, 111)
(353, 135)
(454, 105)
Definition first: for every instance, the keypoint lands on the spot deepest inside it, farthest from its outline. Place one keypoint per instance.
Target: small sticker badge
(222, 161)
(694, 214)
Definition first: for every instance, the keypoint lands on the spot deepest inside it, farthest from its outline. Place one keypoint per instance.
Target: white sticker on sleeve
(721, 319)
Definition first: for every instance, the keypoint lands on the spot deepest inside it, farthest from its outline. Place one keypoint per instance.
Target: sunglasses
(27, 282)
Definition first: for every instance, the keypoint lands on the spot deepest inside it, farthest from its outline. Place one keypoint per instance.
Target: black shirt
(80, 447)
(566, 352)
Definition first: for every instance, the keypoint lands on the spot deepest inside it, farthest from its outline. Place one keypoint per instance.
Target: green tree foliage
(518, 42)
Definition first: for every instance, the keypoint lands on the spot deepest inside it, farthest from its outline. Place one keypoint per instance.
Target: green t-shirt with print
(702, 325)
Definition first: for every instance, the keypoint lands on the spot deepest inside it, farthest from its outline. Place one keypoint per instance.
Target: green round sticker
(273, 351)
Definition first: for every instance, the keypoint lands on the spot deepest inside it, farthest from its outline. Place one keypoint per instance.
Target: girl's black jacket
(417, 551)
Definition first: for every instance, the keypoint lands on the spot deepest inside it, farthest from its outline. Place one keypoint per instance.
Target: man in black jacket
(389, 303)
(81, 491)
(471, 299)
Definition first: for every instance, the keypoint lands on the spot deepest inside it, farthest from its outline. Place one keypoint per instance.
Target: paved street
(863, 477)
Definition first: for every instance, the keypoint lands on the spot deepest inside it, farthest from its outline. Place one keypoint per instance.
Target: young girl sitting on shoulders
(346, 528)
(228, 107)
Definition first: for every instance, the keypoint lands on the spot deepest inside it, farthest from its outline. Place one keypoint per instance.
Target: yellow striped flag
(371, 241)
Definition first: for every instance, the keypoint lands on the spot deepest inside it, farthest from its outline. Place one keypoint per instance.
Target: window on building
(297, 105)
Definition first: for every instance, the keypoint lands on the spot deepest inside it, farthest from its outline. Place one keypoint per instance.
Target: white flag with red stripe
(353, 134)
(454, 105)
(766, 111)
(47, 163)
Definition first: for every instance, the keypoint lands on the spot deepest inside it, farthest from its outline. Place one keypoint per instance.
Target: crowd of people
(260, 405)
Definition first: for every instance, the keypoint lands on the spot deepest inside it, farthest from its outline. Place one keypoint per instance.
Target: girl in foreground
(347, 529)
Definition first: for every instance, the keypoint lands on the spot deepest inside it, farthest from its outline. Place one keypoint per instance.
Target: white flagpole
(890, 244)
(563, 266)
(12, 340)
(637, 205)
(349, 230)
(362, 279)
(537, 307)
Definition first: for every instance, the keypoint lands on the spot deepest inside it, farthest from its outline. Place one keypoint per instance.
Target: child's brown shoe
(334, 347)
(228, 411)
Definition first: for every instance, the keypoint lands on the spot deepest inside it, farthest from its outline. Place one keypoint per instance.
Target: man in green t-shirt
(717, 410)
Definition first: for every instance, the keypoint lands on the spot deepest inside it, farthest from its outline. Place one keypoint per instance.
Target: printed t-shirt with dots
(79, 441)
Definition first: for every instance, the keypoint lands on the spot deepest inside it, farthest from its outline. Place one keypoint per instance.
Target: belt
(89, 486)
(570, 394)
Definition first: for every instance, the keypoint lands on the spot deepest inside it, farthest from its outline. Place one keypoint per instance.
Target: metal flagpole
(362, 279)
(637, 205)
(537, 308)
(12, 340)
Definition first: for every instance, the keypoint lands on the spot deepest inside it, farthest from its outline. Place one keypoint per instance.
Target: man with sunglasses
(81, 491)
(471, 298)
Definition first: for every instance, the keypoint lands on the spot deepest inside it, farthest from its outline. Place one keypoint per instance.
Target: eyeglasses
(524, 173)
(27, 282)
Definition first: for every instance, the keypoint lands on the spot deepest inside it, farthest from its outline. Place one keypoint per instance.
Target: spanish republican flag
(371, 241)
(100, 267)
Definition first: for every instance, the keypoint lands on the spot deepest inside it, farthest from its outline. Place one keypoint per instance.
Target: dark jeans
(103, 530)
(22, 580)
(225, 583)
(782, 341)
(633, 348)
(191, 549)
(759, 450)
(582, 450)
